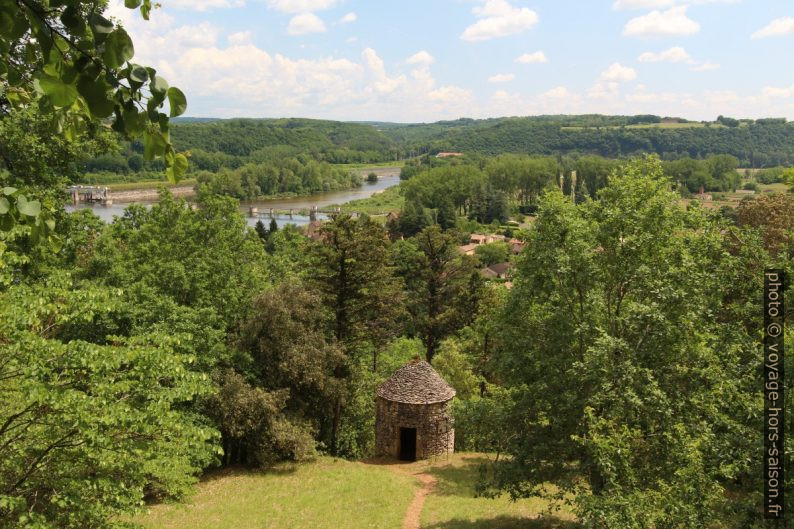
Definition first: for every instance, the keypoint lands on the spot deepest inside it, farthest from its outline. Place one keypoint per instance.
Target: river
(387, 177)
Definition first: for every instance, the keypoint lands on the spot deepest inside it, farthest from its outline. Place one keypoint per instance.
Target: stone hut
(413, 419)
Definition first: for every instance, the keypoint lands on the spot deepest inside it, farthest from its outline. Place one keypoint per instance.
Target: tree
(495, 252)
(413, 218)
(260, 230)
(773, 215)
(446, 217)
(285, 338)
(621, 354)
(372, 178)
(87, 429)
(350, 267)
(74, 65)
(443, 287)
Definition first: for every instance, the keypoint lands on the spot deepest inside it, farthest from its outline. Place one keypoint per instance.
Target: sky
(428, 60)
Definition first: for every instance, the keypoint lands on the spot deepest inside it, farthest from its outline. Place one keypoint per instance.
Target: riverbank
(147, 191)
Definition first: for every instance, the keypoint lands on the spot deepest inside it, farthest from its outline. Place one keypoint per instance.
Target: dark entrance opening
(408, 444)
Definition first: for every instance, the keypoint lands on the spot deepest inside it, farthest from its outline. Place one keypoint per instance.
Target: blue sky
(413, 61)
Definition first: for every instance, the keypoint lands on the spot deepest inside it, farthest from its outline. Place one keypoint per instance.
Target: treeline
(231, 144)
(301, 175)
(760, 144)
(483, 188)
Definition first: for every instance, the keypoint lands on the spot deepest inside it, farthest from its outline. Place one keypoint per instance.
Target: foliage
(623, 376)
(253, 427)
(285, 340)
(443, 287)
(74, 65)
(495, 252)
(88, 429)
(288, 175)
(351, 270)
(773, 215)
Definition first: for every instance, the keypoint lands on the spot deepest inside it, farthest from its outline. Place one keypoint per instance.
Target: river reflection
(386, 179)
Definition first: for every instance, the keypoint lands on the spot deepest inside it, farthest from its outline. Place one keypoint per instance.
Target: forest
(216, 145)
(616, 373)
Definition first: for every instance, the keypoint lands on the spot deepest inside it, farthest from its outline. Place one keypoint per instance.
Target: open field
(331, 493)
(378, 204)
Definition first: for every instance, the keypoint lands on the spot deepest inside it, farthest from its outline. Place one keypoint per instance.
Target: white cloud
(674, 54)
(501, 78)
(531, 58)
(674, 21)
(641, 4)
(205, 5)
(618, 73)
(608, 83)
(300, 6)
(350, 17)
(776, 28)
(497, 18)
(422, 58)
(775, 92)
(305, 23)
(351, 39)
(655, 4)
(705, 67)
(240, 37)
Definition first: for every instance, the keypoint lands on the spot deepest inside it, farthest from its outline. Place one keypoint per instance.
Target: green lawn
(328, 494)
(331, 493)
(453, 505)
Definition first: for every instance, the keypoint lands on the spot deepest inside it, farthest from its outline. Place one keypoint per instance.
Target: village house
(448, 154)
(497, 271)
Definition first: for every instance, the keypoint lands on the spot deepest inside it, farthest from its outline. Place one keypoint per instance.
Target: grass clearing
(453, 505)
(336, 494)
(328, 493)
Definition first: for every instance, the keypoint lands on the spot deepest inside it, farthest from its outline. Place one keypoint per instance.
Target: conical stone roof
(416, 383)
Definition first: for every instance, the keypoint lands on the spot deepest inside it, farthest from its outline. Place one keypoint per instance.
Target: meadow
(334, 493)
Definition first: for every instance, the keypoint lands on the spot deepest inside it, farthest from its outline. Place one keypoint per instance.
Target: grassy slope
(453, 505)
(326, 494)
(348, 495)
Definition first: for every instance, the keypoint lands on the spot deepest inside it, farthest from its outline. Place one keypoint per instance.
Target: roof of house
(467, 248)
(416, 383)
(500, 268)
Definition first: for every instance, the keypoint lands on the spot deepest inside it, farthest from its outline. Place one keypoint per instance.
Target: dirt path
(414, 513)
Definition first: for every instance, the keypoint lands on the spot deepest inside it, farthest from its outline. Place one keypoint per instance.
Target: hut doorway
(408, 444)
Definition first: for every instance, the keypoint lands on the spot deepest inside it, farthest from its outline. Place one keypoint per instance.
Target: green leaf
(177, 101)
(99, 24)
(158, 86)
(139, 74)
(55, 243)
(153, 144)
(95, 94)
(146, 8)
(5, 205)
(72, 20)
(60, 93)
(30, 208)
(177, 169)
(118, 48)
(9, 190)
(132, 4)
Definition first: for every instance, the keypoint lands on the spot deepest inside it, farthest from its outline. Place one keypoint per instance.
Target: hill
(332, 141)
(757, 144)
